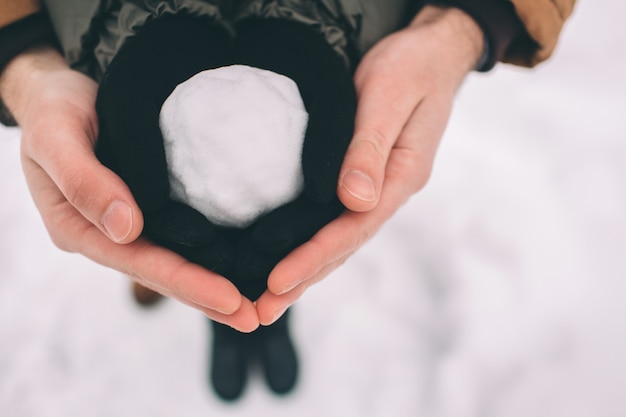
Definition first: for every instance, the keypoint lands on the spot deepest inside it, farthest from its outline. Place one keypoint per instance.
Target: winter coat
(78, 22)
(543, 20)
(14, 10)
(90, 43)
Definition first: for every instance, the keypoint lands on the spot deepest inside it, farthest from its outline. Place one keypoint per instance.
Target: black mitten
(327, 89)
(139, 79)
(326, 86)
(169, 51)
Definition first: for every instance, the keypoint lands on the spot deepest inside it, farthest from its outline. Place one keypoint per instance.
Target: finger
(166, 272)
(175, 277)
(161, 269)
(210, 293)
(337, 240)
(382, 112)
(407, 171)
(244, 319)
(270, 307)
(93, 190)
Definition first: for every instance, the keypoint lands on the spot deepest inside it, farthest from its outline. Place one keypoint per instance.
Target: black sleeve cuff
(16, 38)
(499, 23)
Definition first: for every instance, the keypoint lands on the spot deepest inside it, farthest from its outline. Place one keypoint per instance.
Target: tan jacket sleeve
(14, 10)
(543, 20)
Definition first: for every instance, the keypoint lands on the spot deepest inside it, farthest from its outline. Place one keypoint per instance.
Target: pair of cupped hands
(405, 86)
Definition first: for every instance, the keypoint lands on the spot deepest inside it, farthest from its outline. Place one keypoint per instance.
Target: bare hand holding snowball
(54, 106)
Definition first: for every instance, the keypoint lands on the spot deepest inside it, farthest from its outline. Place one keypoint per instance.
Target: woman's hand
(85, 206)
(406, 85)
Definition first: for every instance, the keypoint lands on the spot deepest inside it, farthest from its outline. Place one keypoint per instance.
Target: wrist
(500, 24)
(23, 28)
(459, 35)
(20, 80)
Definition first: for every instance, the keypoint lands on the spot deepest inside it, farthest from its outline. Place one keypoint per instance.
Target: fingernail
(117, 220)
(359, 185)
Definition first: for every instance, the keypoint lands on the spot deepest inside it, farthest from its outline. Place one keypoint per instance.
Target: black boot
(229, 362)
(278, 356)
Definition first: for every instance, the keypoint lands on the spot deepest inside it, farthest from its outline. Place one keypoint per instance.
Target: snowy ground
(497, 291)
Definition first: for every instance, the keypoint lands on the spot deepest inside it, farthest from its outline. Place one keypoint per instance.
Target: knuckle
(74, 185)
(421, 179)
(375, 143)
(131, 272)
(413, 168)
(362, 235)
(60, 243)
(58, 238)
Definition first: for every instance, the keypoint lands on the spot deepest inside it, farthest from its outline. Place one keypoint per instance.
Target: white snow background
(495, 292)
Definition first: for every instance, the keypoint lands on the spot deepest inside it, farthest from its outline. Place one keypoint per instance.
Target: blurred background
(496, 291)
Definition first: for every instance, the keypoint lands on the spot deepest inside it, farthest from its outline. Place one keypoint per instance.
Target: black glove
(139, 79)
(327, 89)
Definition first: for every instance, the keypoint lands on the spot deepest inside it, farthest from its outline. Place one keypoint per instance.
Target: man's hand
(86, 207)
(406, 85)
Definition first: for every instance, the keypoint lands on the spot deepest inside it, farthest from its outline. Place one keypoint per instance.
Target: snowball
(233, 141)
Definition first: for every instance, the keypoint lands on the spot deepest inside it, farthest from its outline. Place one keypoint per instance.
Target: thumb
(380, 117)
(102, 198)
(95, 191)
(363, 170)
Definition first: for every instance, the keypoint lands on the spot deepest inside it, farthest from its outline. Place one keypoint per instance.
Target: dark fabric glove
(302, 54)
(139, 79)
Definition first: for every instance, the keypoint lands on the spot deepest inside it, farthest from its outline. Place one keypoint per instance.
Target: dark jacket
(94, 30)
(542, 19)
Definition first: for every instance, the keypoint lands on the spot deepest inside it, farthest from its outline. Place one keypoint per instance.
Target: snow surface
(233, 141)
(496, 291)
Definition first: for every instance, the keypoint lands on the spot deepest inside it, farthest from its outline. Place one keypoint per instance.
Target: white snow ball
(233, 141)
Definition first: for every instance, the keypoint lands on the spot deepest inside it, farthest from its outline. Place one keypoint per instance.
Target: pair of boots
(233, 353)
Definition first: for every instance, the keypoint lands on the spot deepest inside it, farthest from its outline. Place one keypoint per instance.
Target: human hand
(406, 85)
(86, 207)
